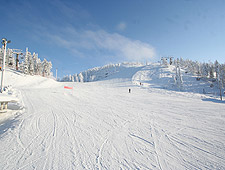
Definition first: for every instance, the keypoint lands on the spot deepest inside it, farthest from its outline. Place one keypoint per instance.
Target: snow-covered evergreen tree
(217, 69)
(31, 65)
(72, 78)
(49, 68)
(178, 76)
(35, 62)
(81, 77)
(39, 67)
(219, 78)
(205, 70)
(13, 62)
(76, 79)
(25, 62)
(164, 61)
(211, 71)
(222, 75)
(46, 66)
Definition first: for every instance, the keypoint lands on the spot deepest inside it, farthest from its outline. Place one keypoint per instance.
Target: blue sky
(80, 34)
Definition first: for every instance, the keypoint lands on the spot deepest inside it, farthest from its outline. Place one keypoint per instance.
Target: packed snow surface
(99, 125)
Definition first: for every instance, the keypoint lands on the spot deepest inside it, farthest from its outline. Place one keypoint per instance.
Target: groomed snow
(99, 125)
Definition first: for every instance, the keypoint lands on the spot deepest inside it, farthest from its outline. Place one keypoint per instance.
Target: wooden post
(1, 106)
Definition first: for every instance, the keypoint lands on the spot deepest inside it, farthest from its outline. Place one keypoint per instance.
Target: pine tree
(13, 61)
(205, 70)
(25, 62)
(39, 67)
(35, 62)
(217, 69)
(72, 78)
(222, 75)
(81, 77)
(178, 76)
(49, 67)
(76, 78)
(44, 67)
(211, 71)
(31, 65)
(164, 61)
(219, 79)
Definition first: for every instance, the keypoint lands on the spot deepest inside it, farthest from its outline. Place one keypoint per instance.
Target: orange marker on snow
(66, 87)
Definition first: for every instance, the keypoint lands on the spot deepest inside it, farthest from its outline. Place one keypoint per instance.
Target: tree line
(29, 63)
(208, 71)
(94, 74)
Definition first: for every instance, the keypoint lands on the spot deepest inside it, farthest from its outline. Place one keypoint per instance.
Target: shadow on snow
(8, 124)
(213, 100)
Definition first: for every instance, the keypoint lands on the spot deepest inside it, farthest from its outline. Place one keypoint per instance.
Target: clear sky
(80, 34)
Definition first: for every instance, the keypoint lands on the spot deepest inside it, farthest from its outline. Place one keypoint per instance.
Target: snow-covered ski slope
(99, 125)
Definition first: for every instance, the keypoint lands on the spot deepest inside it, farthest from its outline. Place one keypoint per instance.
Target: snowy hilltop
(125, 116)
(99, 73)
(179, 74)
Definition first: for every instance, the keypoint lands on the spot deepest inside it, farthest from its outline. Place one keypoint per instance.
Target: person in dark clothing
(129, 90)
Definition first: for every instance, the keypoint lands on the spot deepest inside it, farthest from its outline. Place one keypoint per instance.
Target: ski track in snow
(101, 126)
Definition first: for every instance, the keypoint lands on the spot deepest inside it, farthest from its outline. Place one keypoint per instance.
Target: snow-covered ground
(99, 125)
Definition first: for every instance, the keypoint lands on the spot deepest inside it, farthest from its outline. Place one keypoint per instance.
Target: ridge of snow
(100, 73)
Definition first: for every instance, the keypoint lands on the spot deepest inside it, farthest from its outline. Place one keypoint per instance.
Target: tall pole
(4, 42)
(17, 61)
(56, 73)
(3, 65)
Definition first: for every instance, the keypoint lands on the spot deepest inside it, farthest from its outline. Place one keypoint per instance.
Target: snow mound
(20, 80)
(13, 84)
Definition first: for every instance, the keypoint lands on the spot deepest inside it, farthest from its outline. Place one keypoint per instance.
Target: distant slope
(162, 77)
(121, 70)
(153, 75)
